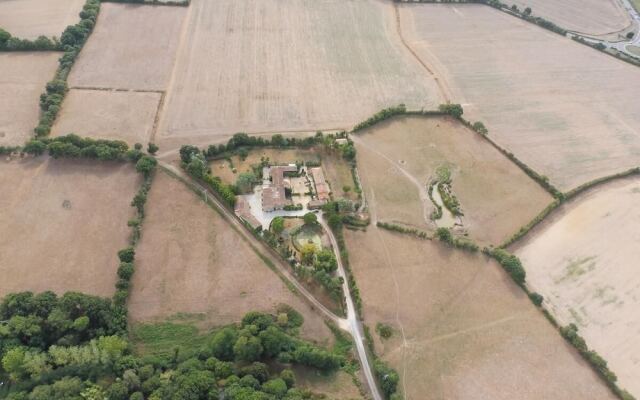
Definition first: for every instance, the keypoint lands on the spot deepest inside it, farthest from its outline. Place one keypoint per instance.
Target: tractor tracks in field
(444, 91)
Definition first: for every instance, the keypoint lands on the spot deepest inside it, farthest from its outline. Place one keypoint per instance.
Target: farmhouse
(273, 190)
(322, 187)
(243, 211)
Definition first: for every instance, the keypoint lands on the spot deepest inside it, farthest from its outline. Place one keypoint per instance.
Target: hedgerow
(401, 229)
(71, 42)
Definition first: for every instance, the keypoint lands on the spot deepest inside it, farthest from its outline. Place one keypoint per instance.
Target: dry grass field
(22, 79)
(338, 386)
(293, 65)
(497, 198)
(126, 116)
(62, 224)
(189, 260)
(584, 260)
(462, 328)
(594, 17)
(28, 19)
(568, 111)
(132, 47)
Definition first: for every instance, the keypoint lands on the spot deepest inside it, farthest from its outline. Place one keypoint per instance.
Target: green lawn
(162, 338)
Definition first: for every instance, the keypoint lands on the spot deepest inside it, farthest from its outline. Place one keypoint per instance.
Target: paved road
(622, 45)
(350, 324)
(355, 326)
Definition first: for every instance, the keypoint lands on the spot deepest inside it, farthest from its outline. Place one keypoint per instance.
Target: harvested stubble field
(336, 170)
(131, 47)
(294, 65)
(462, 328)
(28, 19)
(593, 17)
(62, 224)
(189, 260)
(496, 196)
(22, 79)
(127, 116)
(584, 260)
(566, 110)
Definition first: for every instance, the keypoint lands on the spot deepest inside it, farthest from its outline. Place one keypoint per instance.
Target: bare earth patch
(105, 114)
(62, 224)
(28, 19)
(190, 260)
(584, 260)
(22, 79)
(131, 47)
(594, 17)
(566, 110)
(290, 65)
(462, 328)
(497, 198)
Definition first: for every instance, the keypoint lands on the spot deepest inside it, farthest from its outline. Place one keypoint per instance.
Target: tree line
(66, 348)
(71, 42)
(41, 43)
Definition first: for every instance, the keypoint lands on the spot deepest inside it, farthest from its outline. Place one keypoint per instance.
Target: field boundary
(535, 20)
(569, 196)
(456, 111)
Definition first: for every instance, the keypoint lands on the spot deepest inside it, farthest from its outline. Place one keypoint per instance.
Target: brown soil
(28, 19)
(497, 198)
(23, 79)
(569, 112)
(131, 47)
(463, 329)
(583, 259)
(62, 224)
(190, 260)
(104, 114)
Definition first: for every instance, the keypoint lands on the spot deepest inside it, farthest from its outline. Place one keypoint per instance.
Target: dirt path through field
(444, 90)
(424, 196)
(160, 120)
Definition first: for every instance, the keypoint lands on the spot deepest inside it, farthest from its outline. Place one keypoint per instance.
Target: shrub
(536, 298)
(127, 255)
(146, 164)
(385, 331)
(455, 110)
(510, 263)
(380, 116)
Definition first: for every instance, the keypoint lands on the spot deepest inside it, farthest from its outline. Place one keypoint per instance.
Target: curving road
(350, 324)
(621, 46)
